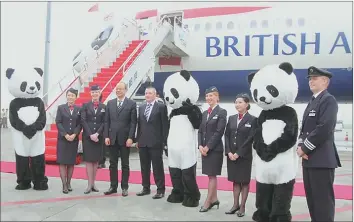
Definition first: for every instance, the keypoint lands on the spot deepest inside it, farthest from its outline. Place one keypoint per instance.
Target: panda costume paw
(181, 91)
(27, 117)
(275, 137)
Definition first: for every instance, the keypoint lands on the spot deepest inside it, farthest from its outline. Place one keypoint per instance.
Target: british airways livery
(225, 44)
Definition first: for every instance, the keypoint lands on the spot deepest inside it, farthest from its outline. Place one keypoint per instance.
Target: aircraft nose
(262, 98)
(32, 88)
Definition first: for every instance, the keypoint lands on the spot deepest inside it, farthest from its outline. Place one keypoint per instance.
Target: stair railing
(159, 24)
(93, 66)
(109, 82)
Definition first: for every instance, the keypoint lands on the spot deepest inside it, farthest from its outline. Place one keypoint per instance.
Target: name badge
(102, 110)
(247, 125)
(215, 117)
(312, 113)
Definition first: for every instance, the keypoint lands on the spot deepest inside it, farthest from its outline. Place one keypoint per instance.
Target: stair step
(53, 127)
(51, 150)
(51, 141)
(51, 134)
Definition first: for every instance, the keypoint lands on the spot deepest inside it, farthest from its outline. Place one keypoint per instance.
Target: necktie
(240, 115)
(119, 105)
(210, 110)
(147, 111)
(95, 105)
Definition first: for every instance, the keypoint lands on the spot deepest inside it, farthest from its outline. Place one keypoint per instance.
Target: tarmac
(53, 205)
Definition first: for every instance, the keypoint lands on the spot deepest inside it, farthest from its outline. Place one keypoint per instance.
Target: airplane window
(265, 24)
(218, 25)
(207, 26)
(301, 21)
(196, 27)
(289, 22)
(253, 24)
(230, 25)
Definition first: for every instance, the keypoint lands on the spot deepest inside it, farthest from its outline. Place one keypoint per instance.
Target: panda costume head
(180, 87)
(273, 86)
(26, 83)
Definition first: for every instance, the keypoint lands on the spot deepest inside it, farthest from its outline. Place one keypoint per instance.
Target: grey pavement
(52, 205)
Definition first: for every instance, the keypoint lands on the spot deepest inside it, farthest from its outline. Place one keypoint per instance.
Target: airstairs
(127, 60)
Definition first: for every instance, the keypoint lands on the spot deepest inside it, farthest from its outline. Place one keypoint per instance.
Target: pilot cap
(313, 71)
(211, 89)
(95, 87)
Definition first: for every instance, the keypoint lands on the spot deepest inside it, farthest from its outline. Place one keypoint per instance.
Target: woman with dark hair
(238, 149)
(92, 118)
(211, 146)
(68, 120)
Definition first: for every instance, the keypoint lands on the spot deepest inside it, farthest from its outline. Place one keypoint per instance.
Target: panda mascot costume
(275, 136)
(181, 92)
(28, 120)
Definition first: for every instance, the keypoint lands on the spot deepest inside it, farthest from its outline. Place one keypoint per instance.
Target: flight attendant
(92, 119)
(211, 146)
(68, 123)
(238, 149)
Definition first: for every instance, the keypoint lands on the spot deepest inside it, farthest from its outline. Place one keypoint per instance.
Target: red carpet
(344, 192)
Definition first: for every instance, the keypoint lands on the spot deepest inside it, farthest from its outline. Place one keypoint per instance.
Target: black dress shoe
(110, 191)
(232, 210)
(158, 196)
(143, 193)
(93, 189)
(124, 192)
(69, 188)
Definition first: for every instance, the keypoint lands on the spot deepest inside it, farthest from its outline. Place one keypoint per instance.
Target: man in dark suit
(151, 140)
(316, 147)
(119, 132)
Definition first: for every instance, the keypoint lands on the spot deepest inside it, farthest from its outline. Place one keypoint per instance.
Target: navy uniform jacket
(68, 123)
(92, 122)
(212, 129)
(317, 132)
(239, 138)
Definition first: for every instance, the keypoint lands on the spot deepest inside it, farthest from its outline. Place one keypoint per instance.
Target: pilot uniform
(316, 140)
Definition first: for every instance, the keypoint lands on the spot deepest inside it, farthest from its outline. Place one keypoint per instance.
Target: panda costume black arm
(286, 141)
(192, 111)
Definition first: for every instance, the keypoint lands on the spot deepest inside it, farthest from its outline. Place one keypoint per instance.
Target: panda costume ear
(286, 67)
(186, 75)
(9, 72)
(39, 71)
(250, 77)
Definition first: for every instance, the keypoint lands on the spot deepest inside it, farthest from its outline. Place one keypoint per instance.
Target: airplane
(225, 44)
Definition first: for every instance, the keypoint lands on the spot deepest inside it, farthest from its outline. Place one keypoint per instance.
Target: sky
(23, 29)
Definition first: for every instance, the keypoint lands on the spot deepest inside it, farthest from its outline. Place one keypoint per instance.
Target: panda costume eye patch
(38, 85)
(272, 90)
(174, 93)
(23, 86)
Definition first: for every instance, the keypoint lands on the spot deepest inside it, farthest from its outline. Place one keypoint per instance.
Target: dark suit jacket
(67, 123)
(92, 122)
(153, 133)
(237, 138)
(212, 129)
(120, 125)
(317, 132)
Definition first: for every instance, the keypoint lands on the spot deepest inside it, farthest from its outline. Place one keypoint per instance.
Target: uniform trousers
(318, 184)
